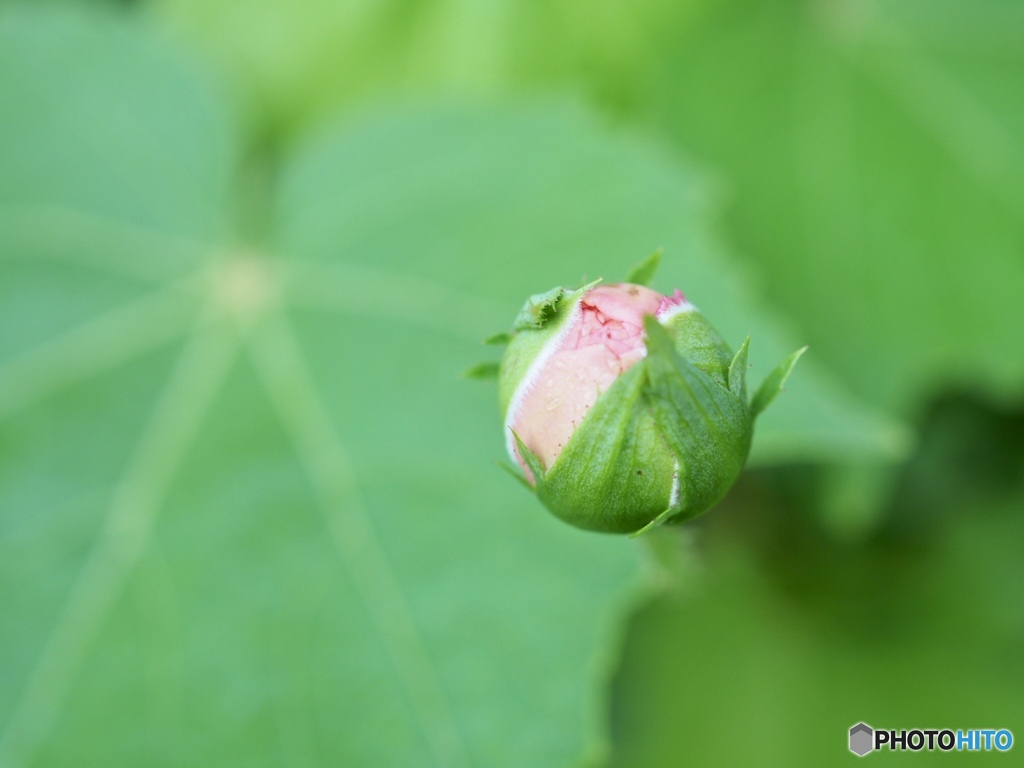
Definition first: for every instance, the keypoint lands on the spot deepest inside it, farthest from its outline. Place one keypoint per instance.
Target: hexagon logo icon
(862, 739)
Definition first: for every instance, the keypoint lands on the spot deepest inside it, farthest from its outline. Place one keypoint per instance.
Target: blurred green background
(249, 513)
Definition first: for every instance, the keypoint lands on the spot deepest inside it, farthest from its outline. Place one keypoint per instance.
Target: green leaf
(738, 371)
(239, 491)
(886, 219)
(773, 383)
(643, 273)
(888, 214)
(299, 69)
(241, 495)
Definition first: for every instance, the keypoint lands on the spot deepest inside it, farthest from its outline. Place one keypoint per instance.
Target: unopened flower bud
(624, 407)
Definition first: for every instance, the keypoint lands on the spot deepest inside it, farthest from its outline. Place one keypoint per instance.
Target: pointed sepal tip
(738, 371)
(773, 384)
(530, 459)
(643, 273)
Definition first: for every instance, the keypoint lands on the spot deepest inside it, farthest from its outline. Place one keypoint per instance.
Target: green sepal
(772, 385)
(531, 460)
(553, 309)
(615, 473)
(708, 427)
(738, 371)
(643, 273)
(670, 512)
(498, 339)
(541, 308)
(698, 342)
(517, 474)
(482, 371)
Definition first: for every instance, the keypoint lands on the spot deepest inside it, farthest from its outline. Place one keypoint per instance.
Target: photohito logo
(864, 739)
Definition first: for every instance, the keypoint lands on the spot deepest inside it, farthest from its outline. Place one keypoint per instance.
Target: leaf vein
(126, 529)
(95, 346)
(289, 384)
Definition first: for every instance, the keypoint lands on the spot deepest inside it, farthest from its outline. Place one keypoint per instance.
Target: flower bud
(625, 408)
